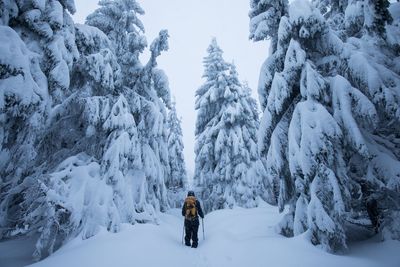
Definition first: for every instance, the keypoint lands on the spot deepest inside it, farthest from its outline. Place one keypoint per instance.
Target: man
(191, 210)
(371, 203)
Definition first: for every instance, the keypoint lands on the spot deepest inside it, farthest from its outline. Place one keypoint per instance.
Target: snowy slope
(238, 237)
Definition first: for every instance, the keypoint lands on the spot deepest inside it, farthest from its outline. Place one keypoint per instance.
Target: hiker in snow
(379, 205)
(191, 210)
(371, 203)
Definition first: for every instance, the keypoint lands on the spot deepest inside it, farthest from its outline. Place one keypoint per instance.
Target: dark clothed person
(192, 220)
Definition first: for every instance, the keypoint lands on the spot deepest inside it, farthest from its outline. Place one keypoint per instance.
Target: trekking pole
(202, 223)
(183, 232)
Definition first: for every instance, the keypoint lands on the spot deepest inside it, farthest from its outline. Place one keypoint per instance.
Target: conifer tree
(228, 170)
(177, 180)
(145, 88)
(322, 117)
(84, 119)
(35, 77)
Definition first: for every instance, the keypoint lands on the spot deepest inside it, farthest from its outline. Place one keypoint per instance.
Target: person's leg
(188, 233)
(194, 235)
(372, 209)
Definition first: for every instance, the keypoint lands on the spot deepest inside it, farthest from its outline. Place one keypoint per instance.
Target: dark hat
(191, 193)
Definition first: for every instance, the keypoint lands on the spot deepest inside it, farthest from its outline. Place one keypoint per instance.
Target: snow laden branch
(157, 46)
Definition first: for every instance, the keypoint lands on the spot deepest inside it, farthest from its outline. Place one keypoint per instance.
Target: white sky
(191, 25)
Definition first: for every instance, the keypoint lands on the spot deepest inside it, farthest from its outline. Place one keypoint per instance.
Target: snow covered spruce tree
(88, 121)
(176, 180)
(146, 90)
(374, 28)
(38, 51)
(228, 171)
(331, 113)
(23, 110)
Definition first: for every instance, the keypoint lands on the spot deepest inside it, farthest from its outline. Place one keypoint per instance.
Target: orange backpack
(191, 209)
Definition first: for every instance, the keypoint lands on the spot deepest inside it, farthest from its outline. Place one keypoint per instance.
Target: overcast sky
(191, 25)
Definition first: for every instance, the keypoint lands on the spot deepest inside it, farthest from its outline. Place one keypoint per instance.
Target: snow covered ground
(238, 237)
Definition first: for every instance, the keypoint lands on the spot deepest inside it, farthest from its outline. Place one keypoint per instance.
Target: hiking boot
(194, 245)
(187, 244)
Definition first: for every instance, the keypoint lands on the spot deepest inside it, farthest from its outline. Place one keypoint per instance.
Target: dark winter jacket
(199, 210)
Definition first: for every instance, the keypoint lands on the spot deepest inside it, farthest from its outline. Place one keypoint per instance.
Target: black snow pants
(191, 229)
(373, 213)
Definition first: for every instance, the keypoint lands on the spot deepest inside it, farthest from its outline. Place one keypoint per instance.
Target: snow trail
(234, 237)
